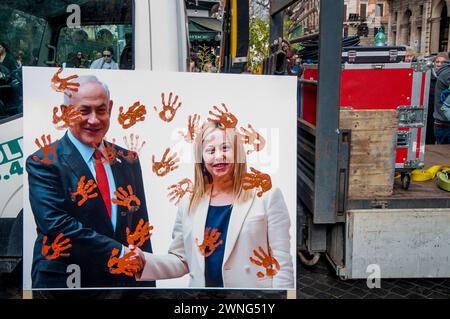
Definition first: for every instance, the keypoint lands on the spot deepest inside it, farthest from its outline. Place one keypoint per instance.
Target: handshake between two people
(131, 263)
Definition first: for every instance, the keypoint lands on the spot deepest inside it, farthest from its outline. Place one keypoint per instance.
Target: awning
(204, 29)
(208, 24)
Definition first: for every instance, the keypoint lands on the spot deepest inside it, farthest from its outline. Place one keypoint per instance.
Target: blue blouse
(218, 218)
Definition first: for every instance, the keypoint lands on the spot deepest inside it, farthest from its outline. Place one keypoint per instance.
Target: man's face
(91, 100)
(107, 56)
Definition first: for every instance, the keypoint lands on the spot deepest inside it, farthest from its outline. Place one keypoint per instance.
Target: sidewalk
(320, 282)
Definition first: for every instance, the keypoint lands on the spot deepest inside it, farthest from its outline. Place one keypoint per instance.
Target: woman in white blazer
(251, 228)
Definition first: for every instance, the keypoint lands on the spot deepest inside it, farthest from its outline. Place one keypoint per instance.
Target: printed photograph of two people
(144, 179)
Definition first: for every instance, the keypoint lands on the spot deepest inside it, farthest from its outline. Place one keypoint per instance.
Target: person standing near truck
(442, 105)
(438, 60)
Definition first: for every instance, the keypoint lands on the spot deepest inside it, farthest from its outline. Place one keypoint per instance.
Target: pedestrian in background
(441, 112)
(437, 63)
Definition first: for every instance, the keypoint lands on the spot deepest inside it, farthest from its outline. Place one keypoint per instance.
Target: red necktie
(102, 181)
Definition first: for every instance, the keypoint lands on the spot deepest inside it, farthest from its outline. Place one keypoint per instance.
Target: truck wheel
(308, 259)
(406, 180)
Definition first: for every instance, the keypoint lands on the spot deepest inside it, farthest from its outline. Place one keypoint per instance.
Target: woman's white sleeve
(280, 240)
(171, 265)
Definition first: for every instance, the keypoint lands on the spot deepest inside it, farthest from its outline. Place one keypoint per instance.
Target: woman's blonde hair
(203, 179)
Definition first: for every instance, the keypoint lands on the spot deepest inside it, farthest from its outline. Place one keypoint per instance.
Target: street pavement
(319, 282)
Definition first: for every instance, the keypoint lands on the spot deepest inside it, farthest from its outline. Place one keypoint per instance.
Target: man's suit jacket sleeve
(49, 204)
(142, 213)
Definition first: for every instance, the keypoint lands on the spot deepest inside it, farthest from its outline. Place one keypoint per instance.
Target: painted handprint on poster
(267, 261)
(47, 148)
(169, 109)
(252, 138)
(85, 191)
(224, 118)
(193, 128)
(210, 242)
(257, 179)
(179, 190)
(127, 264)
(56, 248)
(68, 119)
(166, 165)
(135, 113)
(141, 234)
(63, 84)
(126, 199)
(133, 148)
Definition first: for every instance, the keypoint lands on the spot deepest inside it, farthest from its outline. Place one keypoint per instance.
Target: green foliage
(259, 43)
(204, 57)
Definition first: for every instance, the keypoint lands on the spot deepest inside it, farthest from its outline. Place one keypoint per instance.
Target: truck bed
(419, 195)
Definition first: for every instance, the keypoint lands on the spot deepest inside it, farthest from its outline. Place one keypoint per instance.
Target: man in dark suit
(94, 224)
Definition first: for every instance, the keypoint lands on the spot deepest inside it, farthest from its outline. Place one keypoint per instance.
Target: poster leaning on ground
(143, 179)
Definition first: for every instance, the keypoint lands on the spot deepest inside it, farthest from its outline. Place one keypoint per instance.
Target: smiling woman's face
(218, 154)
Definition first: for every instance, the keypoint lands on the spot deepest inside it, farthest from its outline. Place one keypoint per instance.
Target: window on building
(345, 12)
(363, 11)
(421, 10)
(379, 10)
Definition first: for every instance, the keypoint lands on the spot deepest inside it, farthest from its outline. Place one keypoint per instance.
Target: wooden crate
(372, 152)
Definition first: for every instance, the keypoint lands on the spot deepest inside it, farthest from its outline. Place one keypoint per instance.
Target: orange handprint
(133, 148)
(125, 199)
(141, 234)
(224, 118)
(210, 242)
(47, 149)
(56, 246)
(63, 84)
(69, 117)
(165, 166)
(108, 152)
(257, 179)
(179, 190)
(127, 264)
(84, 190)
(193, 128)
(267, 261)
(169, 111)
(253, 138)
(135, 113)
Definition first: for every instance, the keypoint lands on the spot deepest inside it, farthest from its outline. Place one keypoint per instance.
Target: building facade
(420, 24)
(365, 18)
(361, 17)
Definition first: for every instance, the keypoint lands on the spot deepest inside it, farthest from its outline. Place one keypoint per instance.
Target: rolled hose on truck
(444, 180)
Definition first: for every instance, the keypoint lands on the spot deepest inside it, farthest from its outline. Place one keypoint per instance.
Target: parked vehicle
(53, 33)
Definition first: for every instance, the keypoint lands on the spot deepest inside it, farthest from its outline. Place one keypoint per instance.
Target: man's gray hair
(83, 80)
